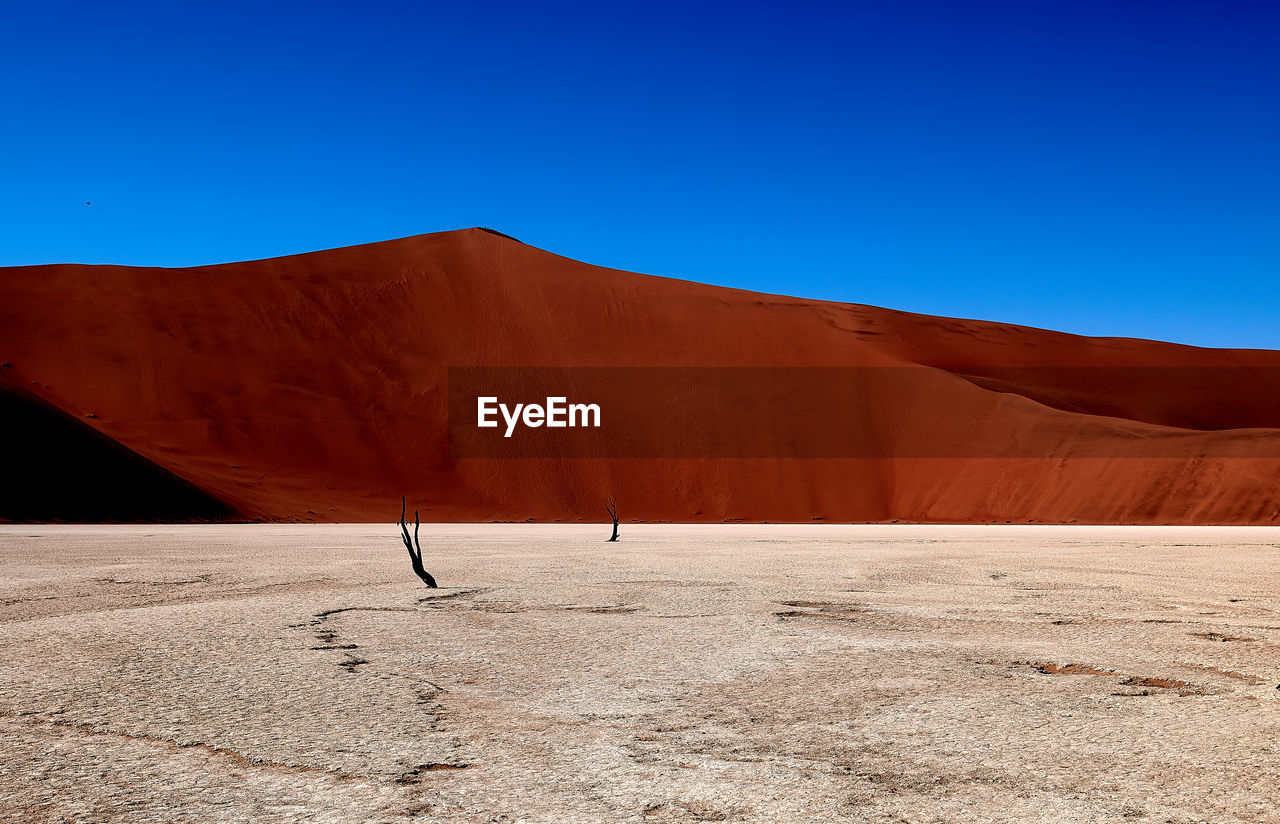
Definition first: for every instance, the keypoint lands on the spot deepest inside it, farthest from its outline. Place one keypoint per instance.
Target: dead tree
(415, 555)
(612, 508)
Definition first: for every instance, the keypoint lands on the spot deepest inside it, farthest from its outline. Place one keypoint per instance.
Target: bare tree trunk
(415, 556)
(612, 508)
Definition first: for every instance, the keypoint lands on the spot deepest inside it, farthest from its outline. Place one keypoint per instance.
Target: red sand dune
(313, 387)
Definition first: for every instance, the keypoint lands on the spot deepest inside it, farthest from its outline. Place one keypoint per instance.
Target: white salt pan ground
(688, 673)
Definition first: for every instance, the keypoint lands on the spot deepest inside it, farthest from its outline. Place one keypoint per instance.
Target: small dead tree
(611, 506)
(415, 555)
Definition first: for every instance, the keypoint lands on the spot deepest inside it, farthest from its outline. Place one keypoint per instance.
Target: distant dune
(314, 387)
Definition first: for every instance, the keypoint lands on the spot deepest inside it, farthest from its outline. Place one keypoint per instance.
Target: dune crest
(314, 387)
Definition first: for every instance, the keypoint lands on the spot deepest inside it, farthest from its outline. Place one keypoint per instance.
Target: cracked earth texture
(292, 673)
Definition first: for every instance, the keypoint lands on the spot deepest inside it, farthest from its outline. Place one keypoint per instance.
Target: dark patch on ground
(613, 609)
(823, 610)
(430, 600)
(1071, 669)
(351, 662)
(414, 776)
(1141, 686)
(1217, 636)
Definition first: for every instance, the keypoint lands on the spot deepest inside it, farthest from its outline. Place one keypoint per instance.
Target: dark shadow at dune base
(59, 469)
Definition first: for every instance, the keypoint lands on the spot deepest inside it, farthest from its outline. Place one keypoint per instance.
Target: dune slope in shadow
(57, 469)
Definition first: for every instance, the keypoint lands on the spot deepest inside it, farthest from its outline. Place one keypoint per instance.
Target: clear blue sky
(1096, 167)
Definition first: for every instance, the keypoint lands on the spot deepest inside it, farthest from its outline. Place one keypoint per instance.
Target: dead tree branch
(611, 506)
(415, 555)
